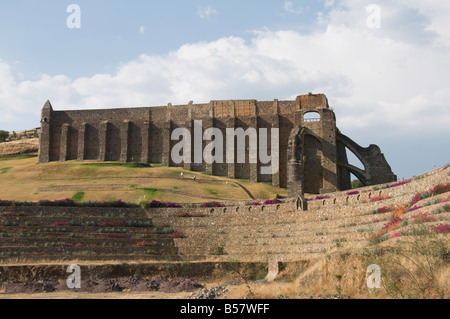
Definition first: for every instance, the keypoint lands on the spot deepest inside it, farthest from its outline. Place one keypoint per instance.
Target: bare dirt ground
(158, 287)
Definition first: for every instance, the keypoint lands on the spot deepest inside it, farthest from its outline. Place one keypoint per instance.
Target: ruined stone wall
(144, 135)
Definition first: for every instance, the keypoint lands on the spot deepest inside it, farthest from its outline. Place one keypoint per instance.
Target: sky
(384, 65)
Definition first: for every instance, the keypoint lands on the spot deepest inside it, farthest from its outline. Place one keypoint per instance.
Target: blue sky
(388, 86)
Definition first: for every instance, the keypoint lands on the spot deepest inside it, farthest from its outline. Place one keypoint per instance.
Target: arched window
(311, 117)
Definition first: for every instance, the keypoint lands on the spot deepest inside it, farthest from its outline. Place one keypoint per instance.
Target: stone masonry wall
(144, 135)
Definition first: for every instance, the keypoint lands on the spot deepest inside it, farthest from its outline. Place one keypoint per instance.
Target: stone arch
(311, 116)
(376, 169)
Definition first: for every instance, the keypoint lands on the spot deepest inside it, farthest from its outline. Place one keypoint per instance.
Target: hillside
(23, 180)
(23, 146)
(322, 252)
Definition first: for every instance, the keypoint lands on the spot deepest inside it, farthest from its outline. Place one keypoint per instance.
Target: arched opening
(355, 181)
(311, 117)
(355, 169)
(354, 160)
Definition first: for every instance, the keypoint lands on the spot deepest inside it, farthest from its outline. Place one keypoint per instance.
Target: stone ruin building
(312, 151)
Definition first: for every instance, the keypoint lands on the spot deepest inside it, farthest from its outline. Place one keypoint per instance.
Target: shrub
(392, 224)
(377, 238)
(62, 202)
(3, 135)
(442, 228)
(356, 184)
(213, 204)
(394, 235)
(156, 204)
(400, 183)
(423, 218)
(384, 209)
(446, 199)
(440, 189)
(272, 202)
(414, 208)
(78, 197)
(416, 198)
(353, 193)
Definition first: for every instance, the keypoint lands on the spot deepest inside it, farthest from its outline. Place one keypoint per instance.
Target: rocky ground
(157, 283)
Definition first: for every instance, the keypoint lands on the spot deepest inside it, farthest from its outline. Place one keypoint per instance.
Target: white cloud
(289, 7)
(142, 30)
(377, 81)
(328, 3)
(206, 12)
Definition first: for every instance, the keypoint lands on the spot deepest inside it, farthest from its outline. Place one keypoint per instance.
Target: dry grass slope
(322, 253)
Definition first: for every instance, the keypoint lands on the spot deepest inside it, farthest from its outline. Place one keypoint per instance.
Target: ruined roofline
(298, 100)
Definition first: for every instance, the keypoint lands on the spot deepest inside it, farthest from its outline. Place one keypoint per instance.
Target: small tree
(357, 184)
(3, 135)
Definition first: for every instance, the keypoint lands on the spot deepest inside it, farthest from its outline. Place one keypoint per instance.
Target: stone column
(231, 123)
(44, 137)
(295, 163)
(189, 126)
(82, 142)
(145, 131)
(124, 134)
(209, 123)
(330, 154)
(276, 124)
(63, 142)
(103, 138)
(254, 167)
(167, 130)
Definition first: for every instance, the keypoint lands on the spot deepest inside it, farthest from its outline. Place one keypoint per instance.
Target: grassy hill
(21, 179)
(323, 252)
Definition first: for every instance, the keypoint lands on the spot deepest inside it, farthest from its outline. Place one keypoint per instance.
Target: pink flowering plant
(442, 228)
(425, 217)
